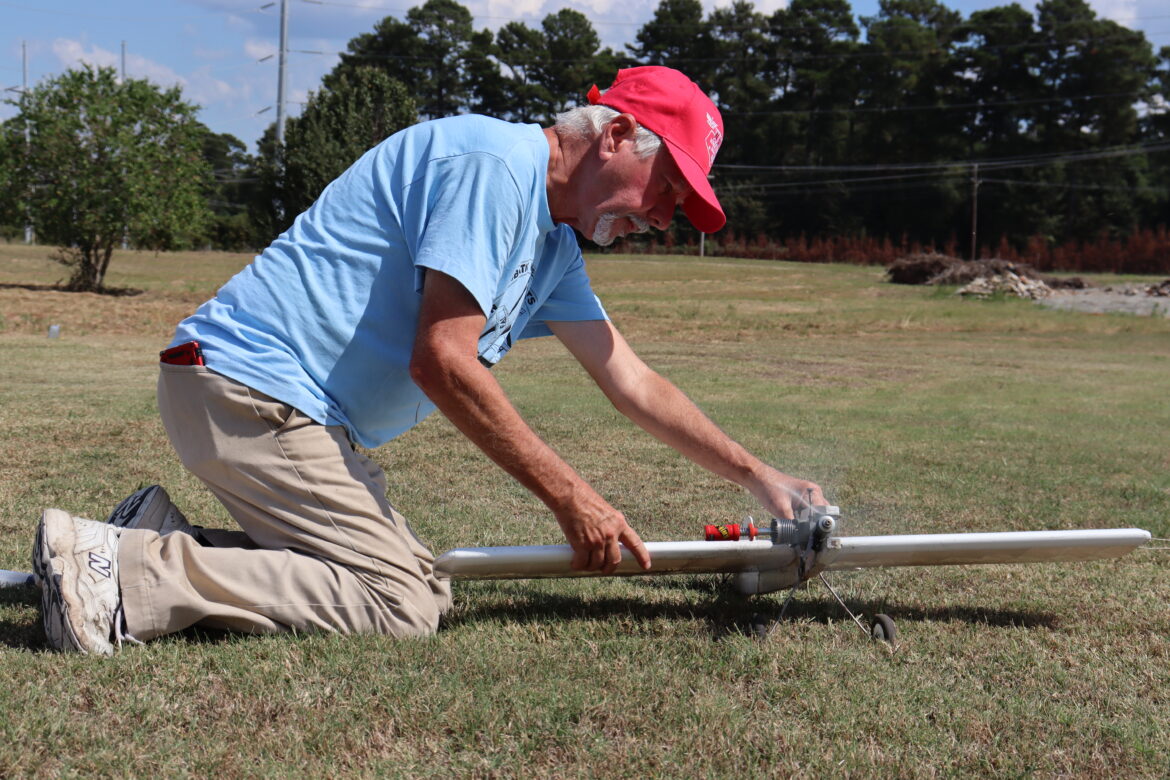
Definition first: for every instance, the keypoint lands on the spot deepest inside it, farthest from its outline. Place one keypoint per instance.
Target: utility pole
(28, 228)
(280, 76)
(122, 76)
(974, 209)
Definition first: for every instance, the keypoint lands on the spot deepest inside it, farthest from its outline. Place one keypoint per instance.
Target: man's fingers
(634, 544)
(580, 560)
(605, 555)
(597, 558)
(812, 494)
(612, 556)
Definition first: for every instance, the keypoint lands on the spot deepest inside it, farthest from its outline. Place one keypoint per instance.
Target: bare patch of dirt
(1139, 299)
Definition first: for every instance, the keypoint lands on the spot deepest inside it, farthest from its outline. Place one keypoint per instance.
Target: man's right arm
(445, 365)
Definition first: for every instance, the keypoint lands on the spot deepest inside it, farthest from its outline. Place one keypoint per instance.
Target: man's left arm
(660, 408)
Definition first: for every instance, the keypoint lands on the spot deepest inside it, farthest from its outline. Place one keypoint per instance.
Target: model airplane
(790, 552)
(786, 554)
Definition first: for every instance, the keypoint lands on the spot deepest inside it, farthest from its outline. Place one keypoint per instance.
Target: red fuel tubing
(731, 532)
(722, 533)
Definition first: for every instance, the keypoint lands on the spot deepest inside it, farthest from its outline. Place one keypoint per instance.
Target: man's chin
(605, 231)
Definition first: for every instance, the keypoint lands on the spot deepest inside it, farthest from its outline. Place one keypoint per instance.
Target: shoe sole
(151, 509)
(55, 565)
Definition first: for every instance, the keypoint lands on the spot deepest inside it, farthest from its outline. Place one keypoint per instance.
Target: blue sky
(214, 48)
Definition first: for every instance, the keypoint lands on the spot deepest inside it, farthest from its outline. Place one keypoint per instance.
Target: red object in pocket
(189, 354)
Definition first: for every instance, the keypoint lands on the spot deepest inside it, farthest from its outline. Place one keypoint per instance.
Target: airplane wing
(552, 560)
(856, 552)
(843, 552)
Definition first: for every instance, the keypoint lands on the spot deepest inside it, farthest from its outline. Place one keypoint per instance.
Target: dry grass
(917, 412)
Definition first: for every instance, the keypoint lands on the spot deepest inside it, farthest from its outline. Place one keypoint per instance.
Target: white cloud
(239, 23)
(210, 54)
(259, 48)
(72, 53)
(496, 13)
(600, 7)
(765, 7)
(201, 86)
(1123, 12)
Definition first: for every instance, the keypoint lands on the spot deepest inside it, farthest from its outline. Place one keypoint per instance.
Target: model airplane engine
(816, 524)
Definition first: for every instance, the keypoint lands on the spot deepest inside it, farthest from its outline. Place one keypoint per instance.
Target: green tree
(572, 61)
(814, 66)
(1093, 74)
(487, 87)
(1156, 130)
(812, 61)
(108, 162)
(740, 81)
(360, 109)
(907, 87)
(394, 47)
(10, 207)
(998, 53)
(521, 51)
(430, 53)
(230, 191)
(444, 28)
(678, 37)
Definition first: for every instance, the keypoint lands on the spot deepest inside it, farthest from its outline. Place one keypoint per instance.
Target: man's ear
(621, 129)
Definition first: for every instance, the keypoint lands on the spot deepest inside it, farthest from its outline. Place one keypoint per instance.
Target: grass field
(917, 412)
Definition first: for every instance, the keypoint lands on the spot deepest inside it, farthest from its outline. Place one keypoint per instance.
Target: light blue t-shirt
(324, 319)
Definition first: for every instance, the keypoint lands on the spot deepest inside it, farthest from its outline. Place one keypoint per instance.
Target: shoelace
(120, 633)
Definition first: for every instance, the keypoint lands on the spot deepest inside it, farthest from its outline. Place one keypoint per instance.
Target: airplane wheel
(883, 629)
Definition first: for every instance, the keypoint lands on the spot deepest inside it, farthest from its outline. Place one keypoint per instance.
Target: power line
(1003, 163)
(667, 25)
(108, 18)
(944, 107)
(786, 58)
(1072, 186)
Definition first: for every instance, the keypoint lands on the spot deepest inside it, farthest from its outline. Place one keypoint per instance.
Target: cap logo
(714, 140)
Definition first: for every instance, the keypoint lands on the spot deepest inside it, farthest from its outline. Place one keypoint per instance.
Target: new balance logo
(101, 565)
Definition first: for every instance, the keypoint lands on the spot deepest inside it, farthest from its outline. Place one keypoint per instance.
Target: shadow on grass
(29, 634)
(726, 613)
(21, 634)
(113, 292)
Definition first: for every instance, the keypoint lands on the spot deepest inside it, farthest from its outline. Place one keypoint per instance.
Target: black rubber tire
(883, 629)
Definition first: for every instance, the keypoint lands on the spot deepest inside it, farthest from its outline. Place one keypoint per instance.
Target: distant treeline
(1030, 132)
(1143, 251)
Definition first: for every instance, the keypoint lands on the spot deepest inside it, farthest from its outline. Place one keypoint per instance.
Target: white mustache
(603, 233)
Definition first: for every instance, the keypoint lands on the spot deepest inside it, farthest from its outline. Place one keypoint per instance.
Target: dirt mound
(931, 268)
(919, 269)
(1006, 283)
(967, 271)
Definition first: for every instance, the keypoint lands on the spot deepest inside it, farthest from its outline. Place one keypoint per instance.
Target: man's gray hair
(587, 122)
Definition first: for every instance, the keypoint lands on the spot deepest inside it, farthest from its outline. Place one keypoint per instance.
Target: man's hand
(783, 495)
(444, 365)
(660, 408)
(595, 531)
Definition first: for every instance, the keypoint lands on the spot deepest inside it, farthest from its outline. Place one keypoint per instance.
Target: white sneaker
(76, 562)
(151, 509)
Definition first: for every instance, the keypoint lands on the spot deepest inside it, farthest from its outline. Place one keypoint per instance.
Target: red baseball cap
(667, 102)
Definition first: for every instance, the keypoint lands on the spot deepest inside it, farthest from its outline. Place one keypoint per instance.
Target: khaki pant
(321, 549)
